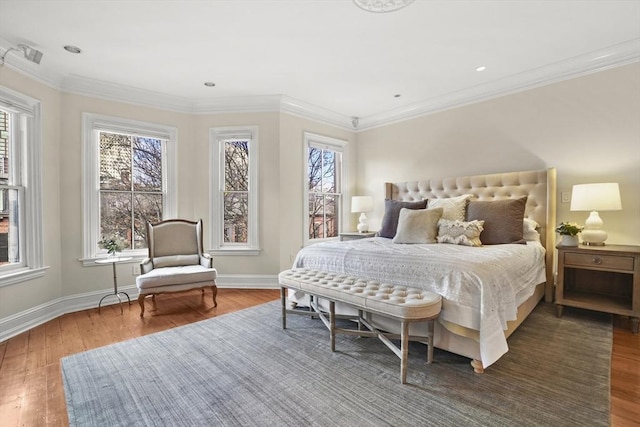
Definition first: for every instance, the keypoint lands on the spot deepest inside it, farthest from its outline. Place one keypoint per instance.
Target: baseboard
(21, 322)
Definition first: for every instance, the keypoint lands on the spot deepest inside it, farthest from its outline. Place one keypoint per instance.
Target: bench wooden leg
(404, 351)
(430, 326)
(332, 324)
(283, 299)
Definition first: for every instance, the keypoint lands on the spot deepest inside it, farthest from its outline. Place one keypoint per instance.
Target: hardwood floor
(31, 392)
(625, 375)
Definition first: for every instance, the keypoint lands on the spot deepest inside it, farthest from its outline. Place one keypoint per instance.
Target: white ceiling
(327, 55)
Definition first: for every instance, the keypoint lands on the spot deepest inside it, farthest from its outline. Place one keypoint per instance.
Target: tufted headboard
(539, 186)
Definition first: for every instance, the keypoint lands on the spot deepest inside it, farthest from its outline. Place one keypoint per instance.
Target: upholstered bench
(369, 297)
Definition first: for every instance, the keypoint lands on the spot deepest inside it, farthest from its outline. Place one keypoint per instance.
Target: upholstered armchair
(176, 261)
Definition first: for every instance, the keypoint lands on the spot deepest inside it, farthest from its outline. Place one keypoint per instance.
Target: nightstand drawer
(600, 261)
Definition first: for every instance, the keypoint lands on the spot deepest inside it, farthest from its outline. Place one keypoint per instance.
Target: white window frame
(27, 139)
(217, 137)
(326, 143)
(92, 124)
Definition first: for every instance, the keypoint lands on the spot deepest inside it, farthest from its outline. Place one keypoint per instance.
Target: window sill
(21, 275)
(235, 252)
(91, 262)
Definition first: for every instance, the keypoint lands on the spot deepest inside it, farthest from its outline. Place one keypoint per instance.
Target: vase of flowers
(569, 232)
(112, 246)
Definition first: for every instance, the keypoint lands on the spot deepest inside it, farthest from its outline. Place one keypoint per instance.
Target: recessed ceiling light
(72, 49)
(481, 68)
(209, 84)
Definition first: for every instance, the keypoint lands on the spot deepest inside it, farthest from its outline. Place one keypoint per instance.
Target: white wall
(588, 128)
(70, 284)
(24, 296)
(291, 184)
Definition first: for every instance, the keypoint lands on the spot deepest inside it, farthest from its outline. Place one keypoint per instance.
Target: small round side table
(113, 260)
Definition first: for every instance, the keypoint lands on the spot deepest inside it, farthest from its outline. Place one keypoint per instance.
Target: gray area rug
(242, 369)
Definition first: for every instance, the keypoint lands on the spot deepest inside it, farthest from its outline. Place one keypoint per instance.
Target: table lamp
(362, 204)
(594, 198)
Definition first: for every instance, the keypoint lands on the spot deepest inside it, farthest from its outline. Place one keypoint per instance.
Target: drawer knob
(596, 260)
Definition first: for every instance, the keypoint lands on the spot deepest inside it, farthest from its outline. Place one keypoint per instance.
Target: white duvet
(481, 287)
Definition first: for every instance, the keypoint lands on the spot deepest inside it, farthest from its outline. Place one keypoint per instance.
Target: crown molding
(121, 93)
(237, 104)
(271, 103)
(592, 62)
(306, 110)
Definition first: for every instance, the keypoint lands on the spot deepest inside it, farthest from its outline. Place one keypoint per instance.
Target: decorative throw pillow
(460, 232)
(530, 230)
(417, 226)
(391, 213)
(503, 220)
(454, 207)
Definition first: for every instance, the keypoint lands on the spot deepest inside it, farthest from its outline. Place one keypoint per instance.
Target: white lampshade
(594, 198)
(361, 204)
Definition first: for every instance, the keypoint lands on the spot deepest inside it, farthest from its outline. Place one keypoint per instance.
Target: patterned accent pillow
(455, 208)
(460, 232)
(418, 226)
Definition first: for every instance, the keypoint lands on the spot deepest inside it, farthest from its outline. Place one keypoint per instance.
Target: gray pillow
(418, 225)
(502, 220)
(391, 213)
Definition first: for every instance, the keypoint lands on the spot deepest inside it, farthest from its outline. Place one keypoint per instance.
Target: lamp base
(363, 224)
(594, 237)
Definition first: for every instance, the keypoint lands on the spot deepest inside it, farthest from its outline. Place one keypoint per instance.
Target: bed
(490, 277)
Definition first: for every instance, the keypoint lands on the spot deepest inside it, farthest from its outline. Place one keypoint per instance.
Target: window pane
(148, 207)
(328, 172)
(9, 227)
(236, 217)
(115, 217)
(236, 171)
(314, 170)
(330, 216)
(115, 161)
(130, 173)
(9, 197)
(324, 197)
(147, 164)
(316, 216)
(4, 147)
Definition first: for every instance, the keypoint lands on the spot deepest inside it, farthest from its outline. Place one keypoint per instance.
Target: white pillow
(455, 208)
(460, 232)
(530, 230)
(417, 225)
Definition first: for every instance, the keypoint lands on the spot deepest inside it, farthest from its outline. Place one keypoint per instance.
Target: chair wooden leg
(141, 302)
(214, 292)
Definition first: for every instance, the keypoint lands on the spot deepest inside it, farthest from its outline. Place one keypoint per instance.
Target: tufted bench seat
(369, 297)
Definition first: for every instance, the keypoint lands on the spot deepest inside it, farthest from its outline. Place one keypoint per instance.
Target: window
(21, 244)
(324, 186)
(129, 180)
(234, 195)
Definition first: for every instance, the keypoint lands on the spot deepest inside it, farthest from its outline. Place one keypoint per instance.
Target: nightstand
(601, 278)
(356, 235)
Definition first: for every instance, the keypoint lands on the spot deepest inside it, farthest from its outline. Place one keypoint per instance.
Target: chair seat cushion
(170, 276)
